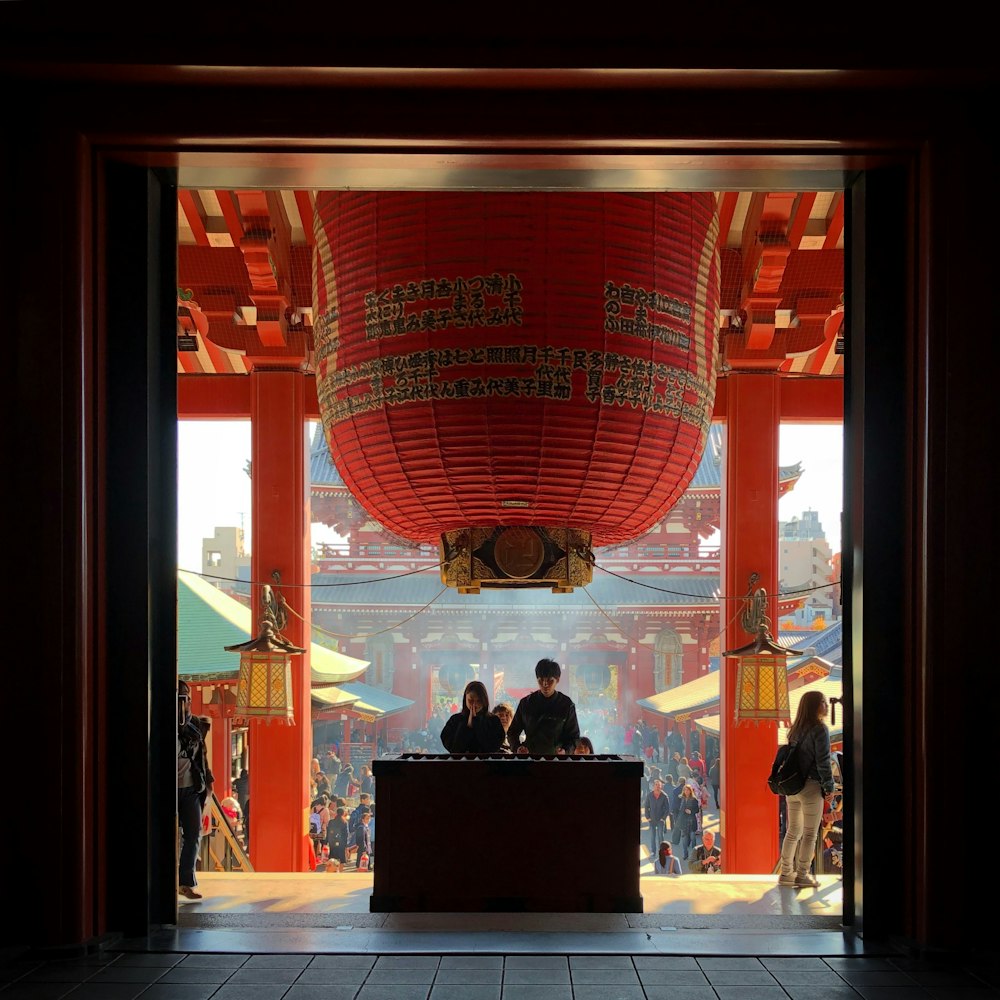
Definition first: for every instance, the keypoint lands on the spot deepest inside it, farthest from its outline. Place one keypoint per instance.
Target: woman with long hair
(665, 863)
(811, 737)
(473, 729)
(687, 821)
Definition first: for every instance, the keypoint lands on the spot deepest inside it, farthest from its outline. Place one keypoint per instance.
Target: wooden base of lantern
(516, 556)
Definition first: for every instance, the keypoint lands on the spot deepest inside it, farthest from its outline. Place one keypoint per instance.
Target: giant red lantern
(520, 375)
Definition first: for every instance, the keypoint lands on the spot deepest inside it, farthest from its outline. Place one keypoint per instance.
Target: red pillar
(279, 754)
(749, 815)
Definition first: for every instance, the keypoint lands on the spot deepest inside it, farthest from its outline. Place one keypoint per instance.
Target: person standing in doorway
(805, 809)
(194, 779)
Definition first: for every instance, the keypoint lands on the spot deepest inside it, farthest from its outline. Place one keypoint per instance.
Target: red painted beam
(191, 206)
(226, 397)
(305, 205)
(727, 208)
(836, 226)
(800, 218)
(231, 213)
(802, 400)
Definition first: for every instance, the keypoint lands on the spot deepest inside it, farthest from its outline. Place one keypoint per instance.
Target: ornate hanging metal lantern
(454, 676)
(595, 676)
(264, 690)
(761, 673)
(519, 376)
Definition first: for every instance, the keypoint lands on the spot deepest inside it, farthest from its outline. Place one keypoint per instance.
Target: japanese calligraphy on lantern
(627, 310)
(493, 300)
(610, 378)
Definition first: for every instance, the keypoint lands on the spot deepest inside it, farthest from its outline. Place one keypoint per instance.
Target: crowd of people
(676, 789)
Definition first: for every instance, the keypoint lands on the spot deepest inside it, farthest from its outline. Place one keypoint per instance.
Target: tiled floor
(268, 976)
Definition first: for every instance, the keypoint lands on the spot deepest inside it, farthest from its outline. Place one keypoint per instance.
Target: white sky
(214, 490)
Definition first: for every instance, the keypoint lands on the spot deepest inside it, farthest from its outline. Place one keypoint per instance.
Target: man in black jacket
(547, 717)
(194, 782)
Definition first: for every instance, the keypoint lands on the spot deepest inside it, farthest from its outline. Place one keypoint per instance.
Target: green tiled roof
(208, 620)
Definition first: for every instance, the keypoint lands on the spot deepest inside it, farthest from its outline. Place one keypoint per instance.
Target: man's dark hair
(547, 668)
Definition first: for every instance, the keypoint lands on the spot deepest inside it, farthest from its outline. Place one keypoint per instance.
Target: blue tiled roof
(322, 471)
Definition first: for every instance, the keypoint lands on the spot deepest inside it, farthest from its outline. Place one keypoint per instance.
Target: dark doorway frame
(871, 234)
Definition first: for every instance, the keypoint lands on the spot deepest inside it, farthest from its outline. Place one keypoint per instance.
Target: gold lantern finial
(264, 691)
(761, 674)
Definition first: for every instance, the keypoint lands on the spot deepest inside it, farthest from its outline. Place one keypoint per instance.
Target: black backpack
(785, 777)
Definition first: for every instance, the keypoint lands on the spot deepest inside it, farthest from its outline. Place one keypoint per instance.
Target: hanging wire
(309, 586)
(437, 566)
(369, 635)
(639, 642)
(701, 597)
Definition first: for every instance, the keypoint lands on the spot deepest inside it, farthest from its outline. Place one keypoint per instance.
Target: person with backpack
(194, 782)
(811, 739)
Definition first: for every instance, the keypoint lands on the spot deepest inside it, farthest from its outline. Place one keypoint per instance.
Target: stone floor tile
(774, 992)
(471, 962)
(343, 962)
(726, 963)
(409, 991)
(875, 977)
(408, 962)
(263, 976)
(843, 992)
(179, 991)
(673, 977)
(400, 977)
(317, 976)
(251, 991)
(667, 992)
(741, 977)
(314, 991)
(214, 960)
(616, 991)
(893, 992)
(604, 977)
(162, 959)
(664, 962)
(194, 974)
(106, 991)
(536, 962)
(775, 964)
(277, 962)
(600, 962)
(536, 977)
(472, 977)
(126, 974)
(521, 991)
(807, 977)
(455, 991)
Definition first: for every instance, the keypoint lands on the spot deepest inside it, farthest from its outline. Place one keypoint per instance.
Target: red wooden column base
(749, 814)
(279, 754)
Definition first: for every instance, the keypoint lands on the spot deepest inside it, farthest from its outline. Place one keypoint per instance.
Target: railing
(223, 849)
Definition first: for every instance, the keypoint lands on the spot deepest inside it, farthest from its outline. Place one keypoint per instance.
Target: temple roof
(208, 620)
(371, 703)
